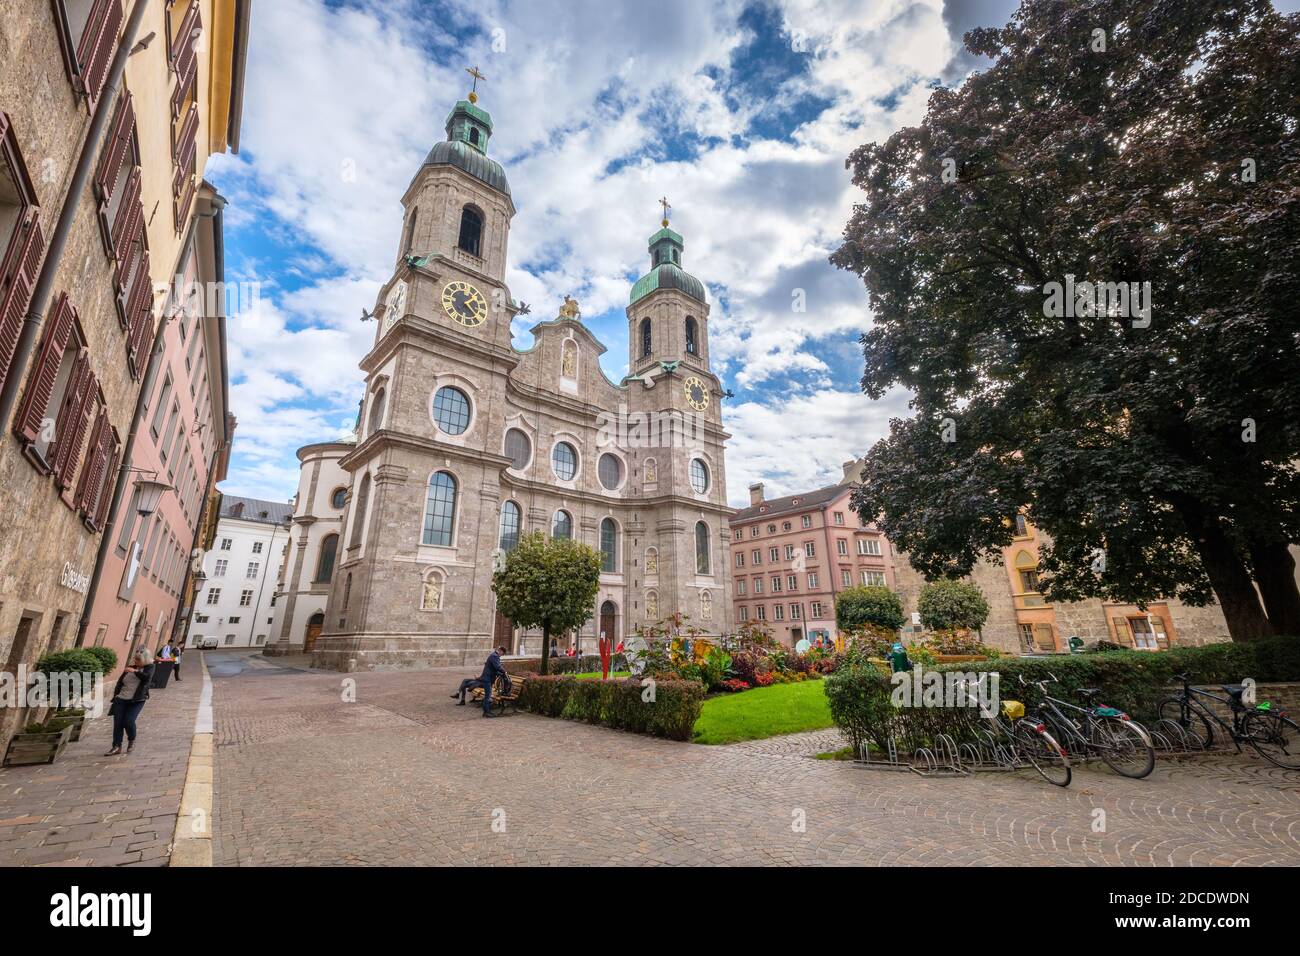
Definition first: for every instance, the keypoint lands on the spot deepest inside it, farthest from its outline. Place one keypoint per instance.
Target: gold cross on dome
(664, 202)
(473, 71)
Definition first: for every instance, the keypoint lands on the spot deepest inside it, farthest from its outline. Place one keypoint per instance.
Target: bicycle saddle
(1087, 693)
(1236, 690)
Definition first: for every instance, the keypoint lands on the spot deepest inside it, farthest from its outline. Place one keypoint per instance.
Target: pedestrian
(555, 648)
(492, 669)
(177, 651)
(129, 695)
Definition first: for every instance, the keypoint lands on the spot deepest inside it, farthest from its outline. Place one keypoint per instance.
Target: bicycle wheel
(1192, 721)
(1125, 746)
(1276, 738)
(1042, 753)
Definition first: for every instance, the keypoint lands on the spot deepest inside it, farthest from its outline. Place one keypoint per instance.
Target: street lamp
(149, 493)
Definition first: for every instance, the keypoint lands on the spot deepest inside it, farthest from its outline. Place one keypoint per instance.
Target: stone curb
(192, 839)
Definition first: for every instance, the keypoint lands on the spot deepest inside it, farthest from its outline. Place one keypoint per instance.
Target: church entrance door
(609, 621)
(314, 625)
(503, 633)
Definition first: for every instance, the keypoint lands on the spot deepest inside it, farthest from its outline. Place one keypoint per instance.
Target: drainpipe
(63, 228)
(124, 470)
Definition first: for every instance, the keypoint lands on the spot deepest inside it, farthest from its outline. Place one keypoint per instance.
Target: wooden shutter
(133, 248)
(118, 145)
(70, 424)
(108, 479)
(132, 295)
(92, 476)
(40, 386)
(98, 44)
(139, 329)
(16, 289)
(130, 216)
(183, 50)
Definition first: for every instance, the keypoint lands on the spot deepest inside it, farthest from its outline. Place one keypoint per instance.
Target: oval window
(611, 471)
(451, 410)
(699, 476)
(565, 461)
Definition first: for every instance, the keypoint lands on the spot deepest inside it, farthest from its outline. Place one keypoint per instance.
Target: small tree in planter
(548, 583)
(950, 606)
(859, 608)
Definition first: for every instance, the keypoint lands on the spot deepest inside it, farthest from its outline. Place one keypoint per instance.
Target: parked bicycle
(1267, 728)
(1027, 740)
(1111, 734)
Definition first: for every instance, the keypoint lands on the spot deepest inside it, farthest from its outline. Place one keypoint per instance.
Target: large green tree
(1142, 141)
(548, 583)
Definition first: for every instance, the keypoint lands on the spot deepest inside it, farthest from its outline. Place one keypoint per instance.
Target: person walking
(178, 648)
(129, 695)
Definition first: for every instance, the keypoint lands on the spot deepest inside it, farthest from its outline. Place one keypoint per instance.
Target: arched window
(376, 412)
(690, 336)
(473, 136)
(440, 510)
(647, 342)
(471, 231)
(518, 448)
(325, 563)
(339, 498)
(363, 506)
(509, 533)
(608, 545)
(701, 548)
(409, 239)
(699, 476)
(562, 526)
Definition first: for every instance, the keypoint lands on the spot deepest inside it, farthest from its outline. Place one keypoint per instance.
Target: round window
(699, 476)
(519, 448)
(337, 499)
(565, 461)
(451, 410)
(611, 471)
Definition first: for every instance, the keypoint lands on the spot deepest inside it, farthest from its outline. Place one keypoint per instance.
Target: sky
(742, 113)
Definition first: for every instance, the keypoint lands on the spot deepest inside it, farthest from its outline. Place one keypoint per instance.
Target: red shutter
(129, 214)
(16, 290)
(107, 482)
(98, 43)
(116, 147)
(132, 295)
(132, 245)
(40, 386)
(139, 332)
(70, 425)
(92, 476)
(183, 47)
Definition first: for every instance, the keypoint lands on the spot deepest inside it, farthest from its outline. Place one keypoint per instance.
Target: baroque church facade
(465, 442)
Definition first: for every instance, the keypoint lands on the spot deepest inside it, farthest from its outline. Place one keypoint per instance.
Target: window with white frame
(868, 546)
(812, 580)
(841, 546)
(246, 597)
(874, 578)
(807, 520)
(214, 595)
(778, 612)
(220, 570)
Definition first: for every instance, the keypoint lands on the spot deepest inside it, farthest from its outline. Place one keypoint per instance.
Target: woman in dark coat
(129, 695)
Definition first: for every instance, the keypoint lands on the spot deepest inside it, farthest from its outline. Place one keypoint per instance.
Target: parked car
(207, 643)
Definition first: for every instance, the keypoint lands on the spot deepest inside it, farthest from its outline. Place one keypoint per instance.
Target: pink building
(182, 436)
(791, 556)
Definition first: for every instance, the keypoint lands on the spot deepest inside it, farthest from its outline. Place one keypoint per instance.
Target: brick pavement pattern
(86, 809)
(403, 776)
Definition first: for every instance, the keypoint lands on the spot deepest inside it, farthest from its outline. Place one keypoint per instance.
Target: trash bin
(162, 672)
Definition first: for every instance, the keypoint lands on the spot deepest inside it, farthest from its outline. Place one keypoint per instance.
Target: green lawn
(763, 712)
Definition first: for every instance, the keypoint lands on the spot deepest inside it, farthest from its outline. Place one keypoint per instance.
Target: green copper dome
(469, 127)
(665, 270)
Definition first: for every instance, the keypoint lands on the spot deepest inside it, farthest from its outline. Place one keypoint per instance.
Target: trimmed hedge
(617, 703)
(106, 655)
(562, 664)
(1136, 681)
(77, 660)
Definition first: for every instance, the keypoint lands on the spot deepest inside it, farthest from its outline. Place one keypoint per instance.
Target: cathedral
(465, 442)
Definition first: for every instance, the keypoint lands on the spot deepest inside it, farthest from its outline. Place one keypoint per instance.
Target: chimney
(852, 469)
(755, 493)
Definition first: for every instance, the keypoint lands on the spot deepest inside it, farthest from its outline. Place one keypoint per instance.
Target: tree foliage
(859, 607)
(1161, 443)
(548, 583)
(949, 604)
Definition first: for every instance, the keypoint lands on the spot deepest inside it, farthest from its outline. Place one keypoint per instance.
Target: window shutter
(139, 329)
(87, 498)
(129, 217)
(184, 60)
(132, 248)
(120, 137)
(16, 290)
(40, 387)
(108, 478)
(70, 425)
(133, 294)
(98, 43)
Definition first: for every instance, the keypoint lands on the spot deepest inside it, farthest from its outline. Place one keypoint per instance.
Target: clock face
(697, 393)
(395, 306)
(464, 303)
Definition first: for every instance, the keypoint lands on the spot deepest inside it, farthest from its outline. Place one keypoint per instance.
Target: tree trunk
(1275, 575)
(1228, 576)
(546, 647)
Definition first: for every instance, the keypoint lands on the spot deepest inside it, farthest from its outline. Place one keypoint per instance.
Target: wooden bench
(499, 698)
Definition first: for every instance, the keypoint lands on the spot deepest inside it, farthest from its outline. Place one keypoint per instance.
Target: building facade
(466, 442)
(308, 567)
(791, 557)
(236, 597)
(108, 112)
(781, 542)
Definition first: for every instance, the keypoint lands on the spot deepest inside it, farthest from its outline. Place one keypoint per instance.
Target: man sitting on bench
(492, 669)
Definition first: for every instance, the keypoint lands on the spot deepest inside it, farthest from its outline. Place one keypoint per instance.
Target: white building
(235, 600)
(305, 574)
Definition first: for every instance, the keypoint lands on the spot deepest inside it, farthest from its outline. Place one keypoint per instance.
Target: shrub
(107, 657)
(618, 703)
(744, 664)
(858, 607)
(858, 696)
(950, 604)
(733, 685)
(714, 668)
(77, 660)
